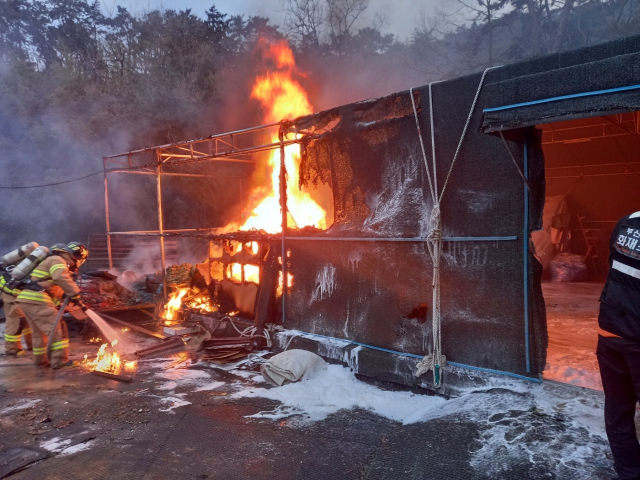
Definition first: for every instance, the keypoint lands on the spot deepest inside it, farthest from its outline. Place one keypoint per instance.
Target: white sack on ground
(291, 366)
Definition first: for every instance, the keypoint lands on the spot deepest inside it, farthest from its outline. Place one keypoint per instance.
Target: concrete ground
(572, 322)
(183, 418)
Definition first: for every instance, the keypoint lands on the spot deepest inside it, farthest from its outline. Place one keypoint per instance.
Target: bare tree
(485, 13)
(342, 14)
(562, 25)
(305, 20)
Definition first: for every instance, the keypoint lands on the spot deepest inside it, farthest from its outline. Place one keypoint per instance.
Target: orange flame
(174, 304)
(202, 304)
(108, 362)
(282, 97)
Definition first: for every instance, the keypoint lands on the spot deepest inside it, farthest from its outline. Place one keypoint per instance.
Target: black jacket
(620, 299)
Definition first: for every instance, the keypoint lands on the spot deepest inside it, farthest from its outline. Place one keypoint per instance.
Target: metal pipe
(161, 230)
(594, 175)
(526, 252)
(203, 139)
(283, 203)
(416, 239)
(106, 210)
(164, 174)
(221, 156)
(595, 165)
(145, 232)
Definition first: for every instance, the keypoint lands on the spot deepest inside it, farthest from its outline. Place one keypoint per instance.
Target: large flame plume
(282, 97)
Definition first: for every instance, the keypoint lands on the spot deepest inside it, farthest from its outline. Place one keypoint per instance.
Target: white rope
(434, 361)
(250, 331)
(424, 154)
(464, 132)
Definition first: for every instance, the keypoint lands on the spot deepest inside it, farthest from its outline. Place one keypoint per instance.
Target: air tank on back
(18, 254)
(28, 264)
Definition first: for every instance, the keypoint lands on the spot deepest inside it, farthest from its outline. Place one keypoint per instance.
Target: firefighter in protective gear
(619, 345)
(16, 326)
(40, 297)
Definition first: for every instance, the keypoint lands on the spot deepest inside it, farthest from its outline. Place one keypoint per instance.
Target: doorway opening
(592, 170)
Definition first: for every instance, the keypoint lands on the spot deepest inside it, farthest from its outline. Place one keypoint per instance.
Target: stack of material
(180, 275)
(567, 267)
(226, 350)
(100, 291)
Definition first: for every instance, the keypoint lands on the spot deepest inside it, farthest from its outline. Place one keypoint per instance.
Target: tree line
(78, 83)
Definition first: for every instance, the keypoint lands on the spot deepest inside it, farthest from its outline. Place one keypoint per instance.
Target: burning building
(403, 225)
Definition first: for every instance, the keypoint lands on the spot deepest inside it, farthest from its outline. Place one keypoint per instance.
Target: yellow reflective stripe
(60, 345)
(31, 295)
(39, 273)
(57, 266)
(34, 296)
(39, 351)
(27, 331)
(5, 289)
(11, 338)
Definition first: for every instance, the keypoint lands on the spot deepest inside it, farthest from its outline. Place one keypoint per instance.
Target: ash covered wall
(375, 292)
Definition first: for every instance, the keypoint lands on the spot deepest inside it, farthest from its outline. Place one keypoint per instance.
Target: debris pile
(101, 291)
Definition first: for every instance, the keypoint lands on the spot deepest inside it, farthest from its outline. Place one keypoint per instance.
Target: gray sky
(401, 14)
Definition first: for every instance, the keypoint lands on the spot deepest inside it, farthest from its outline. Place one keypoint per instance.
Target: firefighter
(619, 345)
(40, 296)
(16, 326)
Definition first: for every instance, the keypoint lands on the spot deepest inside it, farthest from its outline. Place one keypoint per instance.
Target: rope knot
(435, 225)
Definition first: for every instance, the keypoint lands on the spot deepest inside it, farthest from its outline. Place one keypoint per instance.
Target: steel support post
(525, 242)
(161, 226)
(106, 210)
(283, 203)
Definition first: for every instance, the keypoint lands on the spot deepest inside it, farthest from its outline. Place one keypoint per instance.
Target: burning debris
(232, 294)
(108, 360)
(101, 291)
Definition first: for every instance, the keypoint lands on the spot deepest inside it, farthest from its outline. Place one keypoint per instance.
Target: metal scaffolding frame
(226, 147)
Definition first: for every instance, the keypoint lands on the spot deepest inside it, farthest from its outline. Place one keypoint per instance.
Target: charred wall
(374, 292)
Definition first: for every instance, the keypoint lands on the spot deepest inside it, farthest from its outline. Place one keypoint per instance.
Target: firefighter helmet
(76, 250)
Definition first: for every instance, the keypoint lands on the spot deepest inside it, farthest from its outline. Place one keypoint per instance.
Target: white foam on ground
(21, 405)
(210, 386)
(55, 444)
(545, 423)
(77, 448)
(174, 402)
(522, 430)
(181, 377)
(335, 388)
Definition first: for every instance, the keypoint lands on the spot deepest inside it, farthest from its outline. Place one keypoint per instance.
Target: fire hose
(65, 302)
